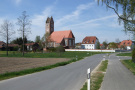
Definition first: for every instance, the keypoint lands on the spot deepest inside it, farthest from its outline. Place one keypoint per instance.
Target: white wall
(90, 50)
(88, 46)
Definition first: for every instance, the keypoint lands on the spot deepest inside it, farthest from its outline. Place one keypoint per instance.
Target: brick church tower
(49, 25)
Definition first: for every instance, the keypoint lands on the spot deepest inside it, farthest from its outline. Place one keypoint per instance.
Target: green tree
(105, 44)
(46, 39)
(37, 39)
(35, 47)
(98, 45)
(19, 41)
(123, 47)
(6, 31)
(113, 45)
(24, 23)
(128, 15)
(60, 49)
(133, 55)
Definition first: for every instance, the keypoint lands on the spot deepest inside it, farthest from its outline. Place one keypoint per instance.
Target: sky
(83, 17)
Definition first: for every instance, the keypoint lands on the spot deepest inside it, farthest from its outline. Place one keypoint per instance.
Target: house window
(73, 42)
(69, 42)
(66, 42)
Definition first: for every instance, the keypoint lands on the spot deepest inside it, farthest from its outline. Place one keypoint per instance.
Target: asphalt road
(69, 77)
(117, 76)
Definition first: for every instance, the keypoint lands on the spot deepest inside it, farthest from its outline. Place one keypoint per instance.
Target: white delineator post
(88, 77)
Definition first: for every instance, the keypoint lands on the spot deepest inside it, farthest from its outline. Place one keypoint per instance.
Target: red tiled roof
(101, 44)
(58, 36)
(89, 40)
(12, 45)
(1, 42)
(29, 44)
(126, 43)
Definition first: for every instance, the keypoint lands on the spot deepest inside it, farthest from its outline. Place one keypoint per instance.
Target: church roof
(89, 40)
(58, 36)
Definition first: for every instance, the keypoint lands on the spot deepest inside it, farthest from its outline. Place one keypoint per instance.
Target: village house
(57, 38)
(89, 42)
(126, 44)
(11, 47)
(29, 46)
(2, 45)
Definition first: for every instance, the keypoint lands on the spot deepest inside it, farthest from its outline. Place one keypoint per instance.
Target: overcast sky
(83, 17)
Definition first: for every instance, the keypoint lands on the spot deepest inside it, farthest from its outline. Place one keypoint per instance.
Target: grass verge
(29, 71)
(97, 76)
(124, 54)
(129, 64)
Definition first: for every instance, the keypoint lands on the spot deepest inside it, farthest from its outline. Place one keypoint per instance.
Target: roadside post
(88, 79)
(76, 57)
(103, 58)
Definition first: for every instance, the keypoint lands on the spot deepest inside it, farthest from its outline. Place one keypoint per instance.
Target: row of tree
(6, 29)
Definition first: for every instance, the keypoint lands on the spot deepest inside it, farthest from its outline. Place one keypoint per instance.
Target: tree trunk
(23, 40)
(7, 40)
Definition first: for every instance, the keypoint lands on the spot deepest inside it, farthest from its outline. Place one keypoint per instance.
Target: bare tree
(24, 23)
(46, 39)
(117, 40)
(6, 31)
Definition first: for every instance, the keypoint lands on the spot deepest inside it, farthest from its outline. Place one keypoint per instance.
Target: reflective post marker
(88, 77)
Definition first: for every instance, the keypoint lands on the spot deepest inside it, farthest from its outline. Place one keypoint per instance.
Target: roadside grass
(97, 77)
(129, 64)
(124, 54)
(30, 71)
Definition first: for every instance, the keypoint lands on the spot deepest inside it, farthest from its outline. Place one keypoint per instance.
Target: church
(57, 38)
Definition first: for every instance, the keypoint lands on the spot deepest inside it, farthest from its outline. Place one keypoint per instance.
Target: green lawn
(124, 54)
(49, 55)
(130, 65)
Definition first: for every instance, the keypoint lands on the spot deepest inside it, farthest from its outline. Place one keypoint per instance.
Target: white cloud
(39, 20)
(17, 1)
(38, 23)
(74, 15)
(91, 23)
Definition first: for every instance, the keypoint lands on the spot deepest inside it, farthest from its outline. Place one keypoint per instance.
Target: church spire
(49, 25)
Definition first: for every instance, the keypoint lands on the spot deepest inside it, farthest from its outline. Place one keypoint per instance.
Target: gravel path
(17, 64)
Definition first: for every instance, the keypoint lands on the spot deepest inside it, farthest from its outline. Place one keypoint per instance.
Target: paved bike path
(118, 77)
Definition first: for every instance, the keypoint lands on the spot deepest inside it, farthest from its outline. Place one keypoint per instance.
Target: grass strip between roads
(29, 71)
(97, 76)
(124, 54)
(130, 65)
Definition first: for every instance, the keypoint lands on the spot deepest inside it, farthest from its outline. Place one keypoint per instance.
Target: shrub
(16, 48)
(51, 49)
(133, 55)
(60, 49)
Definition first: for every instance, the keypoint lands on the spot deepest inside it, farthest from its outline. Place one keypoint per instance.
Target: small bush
(60, 49)
(133, 55)
(51, 49)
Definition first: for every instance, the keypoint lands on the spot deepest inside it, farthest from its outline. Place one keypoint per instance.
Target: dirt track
(17, 64)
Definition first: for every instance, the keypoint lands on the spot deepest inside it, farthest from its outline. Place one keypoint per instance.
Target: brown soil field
(18, 64)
